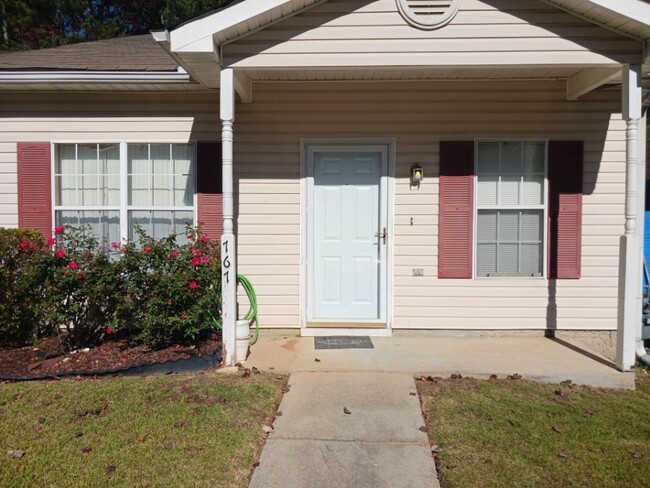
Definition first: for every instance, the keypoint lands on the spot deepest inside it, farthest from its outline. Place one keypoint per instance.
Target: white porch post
(228, 249)
(629, 314)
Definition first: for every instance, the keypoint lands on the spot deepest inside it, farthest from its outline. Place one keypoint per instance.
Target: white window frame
(124, 208)
(543, 207)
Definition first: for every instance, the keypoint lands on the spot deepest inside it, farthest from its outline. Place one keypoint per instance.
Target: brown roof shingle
(135, 53)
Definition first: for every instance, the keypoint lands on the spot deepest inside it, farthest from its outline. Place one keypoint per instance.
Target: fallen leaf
(168, 444)
(636, 455)
(16, 453)
(20, 468)
(563, 455)
(557, 429)
(423, 428)
(316, 360)
(267, 429)
(255, 370)
(515, 376)
(39, 428)
(278, 413)
(110, 469)
(493, 377)
(589, 412)
(566, 383)
(346, 411)
(436, 449)
(86, 449)
(412, 393)
(182, 423)
(139, 439)
(456, 376)
(256, 464)
(78, 434)
(41, 420)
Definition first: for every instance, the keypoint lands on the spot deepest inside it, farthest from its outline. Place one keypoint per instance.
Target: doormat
(343, 342)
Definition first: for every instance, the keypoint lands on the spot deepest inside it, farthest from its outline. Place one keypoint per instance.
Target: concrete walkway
(379, 444)
(317, 443)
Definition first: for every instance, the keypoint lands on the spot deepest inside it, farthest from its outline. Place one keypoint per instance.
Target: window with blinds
(510, 208)
(159, 196)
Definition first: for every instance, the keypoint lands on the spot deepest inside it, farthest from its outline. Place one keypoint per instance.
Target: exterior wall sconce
(417, 174)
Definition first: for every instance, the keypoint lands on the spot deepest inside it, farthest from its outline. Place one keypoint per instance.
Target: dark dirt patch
(49, 358)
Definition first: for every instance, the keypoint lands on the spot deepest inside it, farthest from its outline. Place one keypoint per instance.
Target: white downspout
(228, 244)
(629, 314)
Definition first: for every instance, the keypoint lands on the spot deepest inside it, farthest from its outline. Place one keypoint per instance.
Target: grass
(159, 431)
(518, 433)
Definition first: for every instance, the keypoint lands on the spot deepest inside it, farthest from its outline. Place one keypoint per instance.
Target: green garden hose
(252, 311)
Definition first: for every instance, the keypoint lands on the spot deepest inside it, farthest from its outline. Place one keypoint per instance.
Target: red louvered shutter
(565, 209)
(34, 186)
(209, 189)
(456, 211)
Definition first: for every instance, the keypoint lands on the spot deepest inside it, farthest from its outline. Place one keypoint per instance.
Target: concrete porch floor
(534, 357)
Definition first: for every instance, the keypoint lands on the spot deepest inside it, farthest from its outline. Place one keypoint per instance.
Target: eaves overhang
(96, 77)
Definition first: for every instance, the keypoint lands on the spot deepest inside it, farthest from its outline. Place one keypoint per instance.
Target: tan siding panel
(8, 185)
(368, 34)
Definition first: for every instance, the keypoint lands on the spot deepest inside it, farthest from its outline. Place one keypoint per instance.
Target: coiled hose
(252, 311)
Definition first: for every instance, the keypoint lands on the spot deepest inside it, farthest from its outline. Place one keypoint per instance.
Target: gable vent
(428, 14)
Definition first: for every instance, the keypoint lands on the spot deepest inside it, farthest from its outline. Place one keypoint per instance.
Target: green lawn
(514, 433)
(163, 431)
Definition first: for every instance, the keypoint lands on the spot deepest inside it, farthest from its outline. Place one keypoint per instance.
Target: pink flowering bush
(19, 248)
(78, 280)
(157, 293)
(171, 292)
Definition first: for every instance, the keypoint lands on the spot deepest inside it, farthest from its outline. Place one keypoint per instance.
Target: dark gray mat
(343, 342)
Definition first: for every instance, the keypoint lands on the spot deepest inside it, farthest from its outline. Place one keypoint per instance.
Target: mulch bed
(49, 360)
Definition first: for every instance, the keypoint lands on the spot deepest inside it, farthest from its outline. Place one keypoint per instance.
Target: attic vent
(428, 14)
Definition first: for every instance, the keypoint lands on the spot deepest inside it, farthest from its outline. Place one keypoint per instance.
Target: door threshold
(329, 331)
(346, 325)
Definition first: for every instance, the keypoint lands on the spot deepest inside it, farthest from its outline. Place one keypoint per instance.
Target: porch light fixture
(417, 174)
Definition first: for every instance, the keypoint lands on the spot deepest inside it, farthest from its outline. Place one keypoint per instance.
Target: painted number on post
(225, 262)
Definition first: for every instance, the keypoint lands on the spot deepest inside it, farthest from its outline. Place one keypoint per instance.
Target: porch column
(629, 313)
(228, 249)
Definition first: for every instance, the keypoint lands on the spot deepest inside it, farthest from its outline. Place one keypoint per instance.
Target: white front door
(347, 220)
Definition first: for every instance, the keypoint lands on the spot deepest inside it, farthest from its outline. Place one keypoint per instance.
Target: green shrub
(19, 290)
(79, 288)
(171, 293)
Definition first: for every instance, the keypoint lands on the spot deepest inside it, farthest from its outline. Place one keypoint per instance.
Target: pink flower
(115, 245)
(175, 253)
(184, 315)
(204, 238)
(60, 253)
(73, 265)
(51, 241)
(59, 229)
(109, 331)
(205, 260)
(190, 236)
(169, 302)
(196, 261)
(192, 285)
(196, 254)
(146, 249)
(24, 244)
(80, 276)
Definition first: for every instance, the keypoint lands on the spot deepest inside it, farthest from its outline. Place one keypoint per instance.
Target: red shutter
(565, 208)
(456, 211)
(34, 186)
(209, 192)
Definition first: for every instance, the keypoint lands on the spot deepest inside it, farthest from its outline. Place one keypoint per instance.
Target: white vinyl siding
(418, 115)
(8, 184)
(358, 34)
